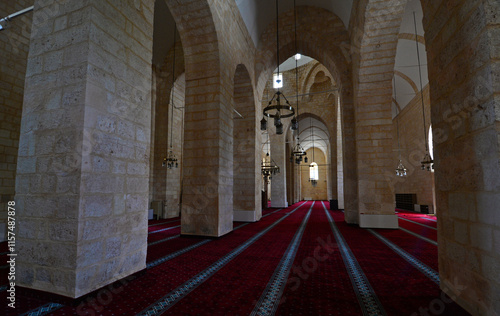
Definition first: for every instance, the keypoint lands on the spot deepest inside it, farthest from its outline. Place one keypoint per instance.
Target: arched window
(431, 145)
(313, 172)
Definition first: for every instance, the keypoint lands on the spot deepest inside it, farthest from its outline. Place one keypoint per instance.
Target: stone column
(82, 185)
(373, 99)
(246, 147)
(465, 122)
(278, 182)
(339, 162)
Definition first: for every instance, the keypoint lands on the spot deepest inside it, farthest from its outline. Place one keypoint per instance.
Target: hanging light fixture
(313, 164)
(171, 161)
(401, 169)
(268, 166)
(277, 111)
(298, 151)
(427, 163)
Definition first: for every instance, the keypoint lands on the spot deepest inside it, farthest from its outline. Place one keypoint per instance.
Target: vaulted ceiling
(257, 14)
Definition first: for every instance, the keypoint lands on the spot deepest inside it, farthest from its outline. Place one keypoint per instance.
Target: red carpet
(401, 288)
(317, 284)
(246, 276)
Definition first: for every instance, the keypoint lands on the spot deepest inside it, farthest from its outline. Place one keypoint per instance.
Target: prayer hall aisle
(300, 260)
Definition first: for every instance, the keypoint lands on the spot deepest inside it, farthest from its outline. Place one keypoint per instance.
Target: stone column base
(378, 221)
(244, 216)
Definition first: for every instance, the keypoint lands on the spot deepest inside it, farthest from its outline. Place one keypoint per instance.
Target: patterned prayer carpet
(300, 260)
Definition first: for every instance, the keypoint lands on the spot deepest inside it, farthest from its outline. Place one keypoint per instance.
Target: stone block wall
(14, 47)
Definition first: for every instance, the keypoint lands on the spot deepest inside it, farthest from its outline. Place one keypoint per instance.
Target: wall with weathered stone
(14, 46)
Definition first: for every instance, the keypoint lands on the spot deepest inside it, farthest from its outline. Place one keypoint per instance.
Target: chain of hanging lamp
(277, 111)
(298, 153)
(401, 169)
(171, 160)
(427, 163)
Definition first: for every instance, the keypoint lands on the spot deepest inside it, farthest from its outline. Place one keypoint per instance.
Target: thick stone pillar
(373, 69)
(82, 185)
(247, 197)
(465, 122)
(278, 182)
(207, 171)
(339, 161)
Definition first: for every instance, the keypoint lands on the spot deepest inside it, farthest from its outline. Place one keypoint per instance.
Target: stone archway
(313, 26)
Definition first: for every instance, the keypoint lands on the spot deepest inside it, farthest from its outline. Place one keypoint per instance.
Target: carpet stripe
(162, 240)
(181, 291)
(176, 236)
(368, 300)
(163, 229)
(270, 298)
(409, 220)
(153, 264)
(43, 310)
(418, 236)
(271, 213)
(175, 220)
(429, 272)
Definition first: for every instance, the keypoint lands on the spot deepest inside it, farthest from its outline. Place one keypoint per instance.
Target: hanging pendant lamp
(298, 151)
(427, 163)
(171, 161)
(400, 169)
(275, 109)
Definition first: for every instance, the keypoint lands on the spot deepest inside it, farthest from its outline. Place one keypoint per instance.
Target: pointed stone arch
(329, 43)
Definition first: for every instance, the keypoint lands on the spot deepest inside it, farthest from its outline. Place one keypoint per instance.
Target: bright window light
(277, 81)
(313, 171)
(431, 144)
